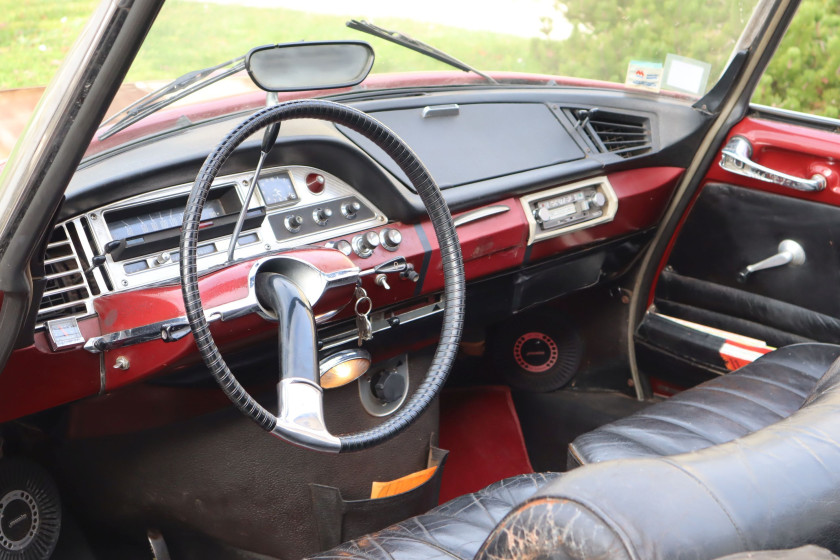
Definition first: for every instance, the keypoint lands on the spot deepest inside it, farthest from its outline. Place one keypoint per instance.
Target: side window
(804, 74)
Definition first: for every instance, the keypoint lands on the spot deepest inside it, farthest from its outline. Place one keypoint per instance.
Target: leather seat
(455, 529)
(728, 407)
(763, 475)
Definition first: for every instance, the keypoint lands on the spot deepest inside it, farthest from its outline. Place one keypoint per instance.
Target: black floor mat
(551, 421)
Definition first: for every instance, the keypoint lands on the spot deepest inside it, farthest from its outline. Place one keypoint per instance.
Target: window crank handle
(790, 252)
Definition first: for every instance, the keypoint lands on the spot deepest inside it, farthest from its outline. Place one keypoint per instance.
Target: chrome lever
(735, 158)
(790, 252)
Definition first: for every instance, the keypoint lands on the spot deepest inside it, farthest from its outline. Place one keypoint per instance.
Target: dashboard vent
(623, 135)
(66, 289)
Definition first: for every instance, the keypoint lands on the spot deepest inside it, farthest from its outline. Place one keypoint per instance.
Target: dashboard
(542, 185)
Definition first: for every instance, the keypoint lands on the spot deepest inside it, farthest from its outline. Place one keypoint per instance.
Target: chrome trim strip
(313, 282)
(480, 214)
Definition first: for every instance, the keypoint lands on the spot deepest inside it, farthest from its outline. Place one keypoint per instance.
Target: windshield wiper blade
(170, 93)
(415, 45)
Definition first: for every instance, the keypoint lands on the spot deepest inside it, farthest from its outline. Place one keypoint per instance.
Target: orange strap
(400, 485)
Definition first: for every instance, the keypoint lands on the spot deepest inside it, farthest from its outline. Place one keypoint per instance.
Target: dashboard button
(293, 223)
(344, 247)
(391, 239)
(364, 245)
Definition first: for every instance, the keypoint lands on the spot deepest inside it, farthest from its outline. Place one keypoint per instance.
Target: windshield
(666, 48)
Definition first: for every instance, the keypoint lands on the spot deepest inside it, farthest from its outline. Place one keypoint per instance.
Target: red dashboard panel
(37, 378)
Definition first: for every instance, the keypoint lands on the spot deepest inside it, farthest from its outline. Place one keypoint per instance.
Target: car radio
(568, 208)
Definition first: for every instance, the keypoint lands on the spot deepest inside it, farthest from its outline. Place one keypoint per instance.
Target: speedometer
(158, 219)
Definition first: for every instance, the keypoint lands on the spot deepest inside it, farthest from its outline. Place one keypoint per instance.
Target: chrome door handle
(736, 159)
(790, 252)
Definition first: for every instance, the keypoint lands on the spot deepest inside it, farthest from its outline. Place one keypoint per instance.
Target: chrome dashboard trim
(600, 183)
(480, 214)
(171, 330)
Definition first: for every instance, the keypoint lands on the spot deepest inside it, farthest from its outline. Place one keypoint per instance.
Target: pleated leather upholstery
(718, 411)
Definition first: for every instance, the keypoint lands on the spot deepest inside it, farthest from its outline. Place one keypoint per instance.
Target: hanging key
(363, 308)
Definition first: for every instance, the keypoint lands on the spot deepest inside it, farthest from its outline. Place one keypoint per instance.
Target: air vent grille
(66, 289)
(623, 135)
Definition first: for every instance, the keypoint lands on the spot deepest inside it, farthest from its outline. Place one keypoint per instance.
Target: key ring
(369, 304)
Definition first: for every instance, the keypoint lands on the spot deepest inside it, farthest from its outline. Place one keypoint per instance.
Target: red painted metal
(37, 379)
(642, 196)
(167, 119)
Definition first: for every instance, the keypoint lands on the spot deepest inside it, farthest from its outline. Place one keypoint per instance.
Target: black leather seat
(456, 529)
(720, 410)
(774, 483)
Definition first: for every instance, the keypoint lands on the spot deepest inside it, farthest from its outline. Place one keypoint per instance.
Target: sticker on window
(686, 74)
(644, 75)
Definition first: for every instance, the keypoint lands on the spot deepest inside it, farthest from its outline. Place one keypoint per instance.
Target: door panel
(736, 221)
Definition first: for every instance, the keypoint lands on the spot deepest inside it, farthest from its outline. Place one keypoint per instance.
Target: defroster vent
(621, 134)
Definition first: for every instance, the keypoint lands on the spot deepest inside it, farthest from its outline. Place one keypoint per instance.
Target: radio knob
(293, 223)
(543, 214)
(163, 258)
(321, 215)
(391, 239)
(598, 199)
(364, 245)
(350, 209)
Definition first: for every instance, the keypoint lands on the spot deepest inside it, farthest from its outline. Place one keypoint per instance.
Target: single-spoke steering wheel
(300, 417)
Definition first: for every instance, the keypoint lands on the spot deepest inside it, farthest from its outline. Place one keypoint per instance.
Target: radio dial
(598, 199)
(543, 214)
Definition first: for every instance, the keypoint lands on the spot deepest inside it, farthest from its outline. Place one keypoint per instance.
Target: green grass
(35, 37)
(215, 33)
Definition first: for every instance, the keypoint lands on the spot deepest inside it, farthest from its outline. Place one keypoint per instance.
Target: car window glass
(804, 74)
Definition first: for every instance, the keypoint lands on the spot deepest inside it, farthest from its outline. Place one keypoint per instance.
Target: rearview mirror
(302, 66)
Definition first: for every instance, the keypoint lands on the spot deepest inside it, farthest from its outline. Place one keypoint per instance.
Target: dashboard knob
(163, 258)
(344, 247)
(543, 214)
(315, 182)
(321, 215)
(350, 209)
(599, 199)
(391, 239)
(364, 245)
(293, 223)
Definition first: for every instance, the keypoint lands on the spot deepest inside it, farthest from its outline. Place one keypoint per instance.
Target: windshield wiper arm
(170, 93)
(415, 45)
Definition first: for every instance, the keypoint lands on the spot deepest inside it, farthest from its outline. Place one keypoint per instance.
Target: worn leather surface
(775, 488)
(718, 411)
(455, 529)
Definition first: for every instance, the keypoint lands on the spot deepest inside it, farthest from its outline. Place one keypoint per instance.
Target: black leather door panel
(731, 227)
(727, 229)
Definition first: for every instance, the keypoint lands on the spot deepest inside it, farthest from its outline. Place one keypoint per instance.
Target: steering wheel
(300, 416)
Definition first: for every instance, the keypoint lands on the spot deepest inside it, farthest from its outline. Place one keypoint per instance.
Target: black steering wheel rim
(450, 250)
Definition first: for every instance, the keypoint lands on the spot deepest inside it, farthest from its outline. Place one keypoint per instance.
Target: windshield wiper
(170, 93)
(415, 45)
